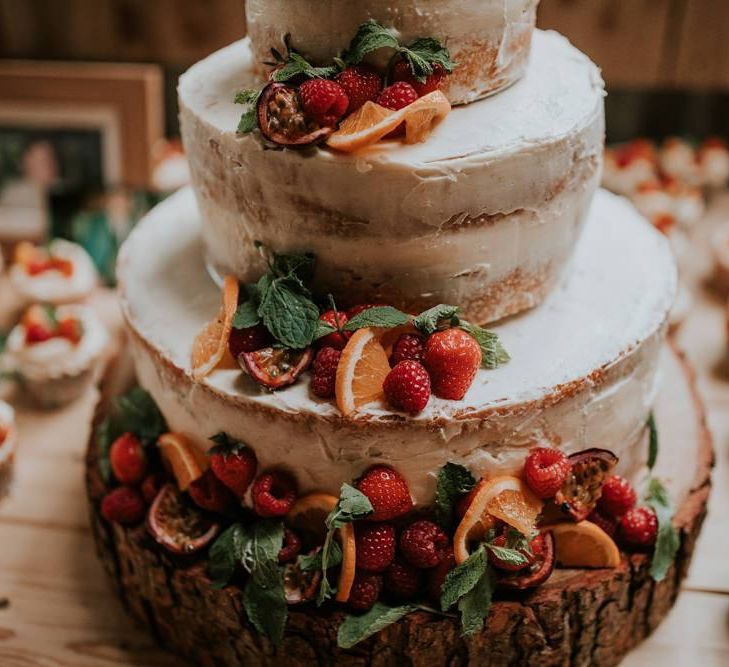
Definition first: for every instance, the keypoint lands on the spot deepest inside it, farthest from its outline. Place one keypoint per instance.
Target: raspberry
(324, 372)
(128, 462)
(336, 339)
(423, 544)
(375, 544)
(407, 347)
(452, 357)
(618, 496)
(437, 576)
(234, 465)
(402, 580)
(150, 487)
(401, 71)
(397, 96)
(291, 546)
(360, 308)
(407, 387)
(387, 491)
(608, 524)
(545, 470)
(123, 505)
(248, 340)
(273, 493)
(638, 528)
(209, 493)
(324, 101)
(361, 83)
(365, 590)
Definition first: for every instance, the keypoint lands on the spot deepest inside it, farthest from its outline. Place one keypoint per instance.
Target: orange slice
(179, 455)
(584, 544)
(362, 369)
(503, 497)
(211, 344)
(307, 516)
(372, 122)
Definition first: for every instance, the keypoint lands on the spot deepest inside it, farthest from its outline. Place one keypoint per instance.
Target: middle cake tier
(485, 213)
(582, 371)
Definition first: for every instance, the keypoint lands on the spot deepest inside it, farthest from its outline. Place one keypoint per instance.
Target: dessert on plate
(8, 438)
(340, 448)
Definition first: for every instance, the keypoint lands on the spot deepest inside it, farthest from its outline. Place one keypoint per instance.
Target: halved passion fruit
(583, 487)
(299, 585)
(275, 367)
(538, 572)
(177, 524)
(281, 118)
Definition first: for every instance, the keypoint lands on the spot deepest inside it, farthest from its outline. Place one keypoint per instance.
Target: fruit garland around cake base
(274, 331)
(349, 103)
(370, 550)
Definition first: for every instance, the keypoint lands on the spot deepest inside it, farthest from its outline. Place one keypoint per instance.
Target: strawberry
(375, 543)
(250, 339)
(401, 71)
(36, 332)
(452, 357)
(618, 496)
(123, 505)
(291, 546)
(336, 339)
(211, 494)
(361, 83)
(234, 465)
(324, 101)
(387, 491)
(638, 528)
(407, 387)
(127, 458)
(397, 96)
(423, 544)
(545, 470)
(407, 346)
(402, 580)
(273, 493)
(365, 590)
(324, 372)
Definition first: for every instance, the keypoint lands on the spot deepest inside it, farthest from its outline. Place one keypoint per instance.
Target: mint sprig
(226, 554)
(493, 353)
(453, 481)
(308, 562)
(668, 540)
(385, 317)
(295, 65)
(355, 629)
(249, 98)
(428, 320)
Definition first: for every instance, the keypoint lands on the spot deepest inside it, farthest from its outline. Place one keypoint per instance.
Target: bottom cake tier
(576, 617)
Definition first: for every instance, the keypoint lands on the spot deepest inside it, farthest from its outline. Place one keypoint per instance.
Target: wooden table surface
(56, 609)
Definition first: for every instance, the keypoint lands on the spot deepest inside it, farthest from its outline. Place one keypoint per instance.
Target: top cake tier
(489, 39)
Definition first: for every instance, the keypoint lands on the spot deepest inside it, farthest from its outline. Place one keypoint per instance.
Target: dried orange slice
(503, 497)
(211, 344)
(307, 516)
(362, 369)
(584, 544)
(179, 455)
(372, 122)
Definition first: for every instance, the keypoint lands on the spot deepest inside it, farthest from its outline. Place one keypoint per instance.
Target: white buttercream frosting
(582, 371)
(52, 286)
(9, 442)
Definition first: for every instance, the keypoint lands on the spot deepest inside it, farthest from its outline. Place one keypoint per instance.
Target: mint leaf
(668, 540)
(298, 267)
(225, 444)
(290, 316)
(453, 480)
(323, 329)
(315, 561)
(652, 441)
(369, 37)
(428, 320)
(247, 96)
(509, 555)
(423, 54)
(493, 353)
(385, 317)
(354, 629)
(475, 605)
(462, 579)
(295, 65)
(246, 315)
(225, 555)
(249, 119)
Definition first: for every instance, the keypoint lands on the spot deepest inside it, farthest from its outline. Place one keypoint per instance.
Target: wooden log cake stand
(579, 617)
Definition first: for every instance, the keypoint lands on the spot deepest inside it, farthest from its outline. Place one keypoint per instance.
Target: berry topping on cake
(387, 491)
(233, 463)
(407, 387)
(338, 339)
(545, 470)
(402, 580)
(618, 496)
(638, 528)
(249, 339)
(407, 347)
(397, 96)
(324, 372)
(375, 546)
(291, 546)
(123, 504)
(365, 590)
(273, 493)
(452, 357)
(401, 71)
(361, 83)
(209, 493)
(41, 323)
(323, 100)
(128, 461)
(423, 544)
